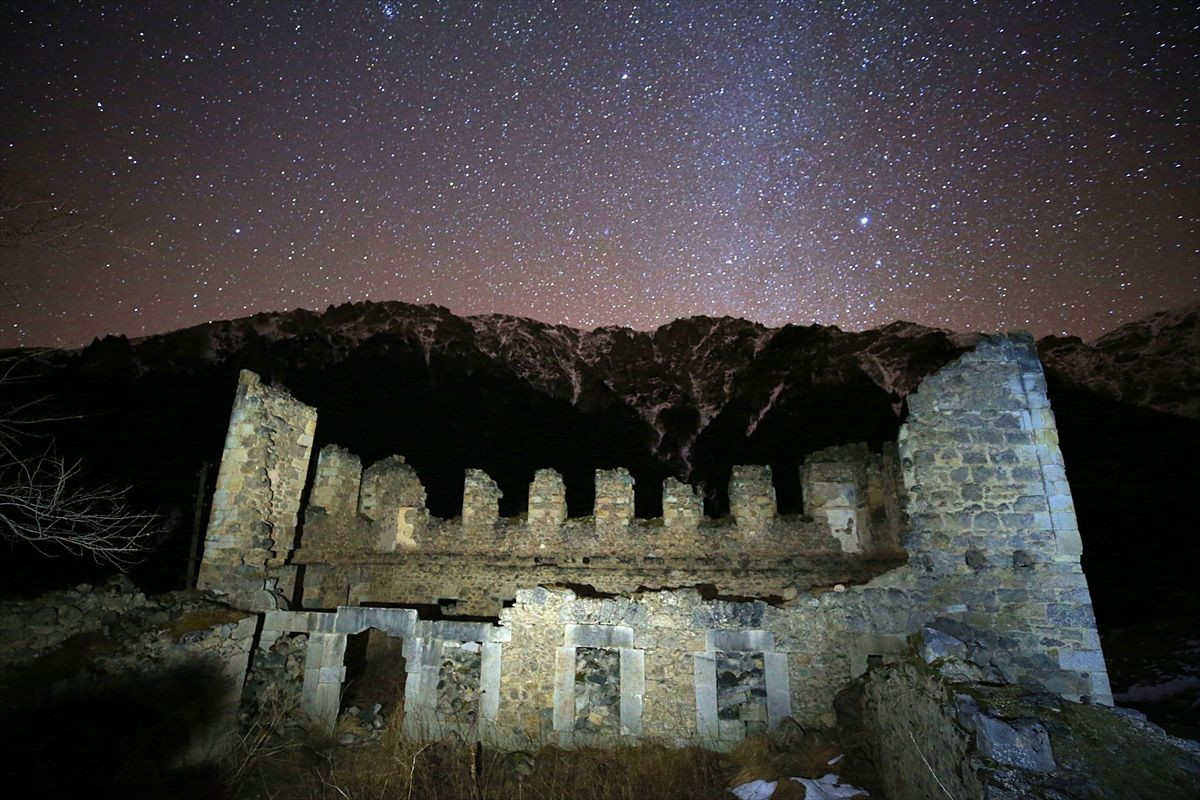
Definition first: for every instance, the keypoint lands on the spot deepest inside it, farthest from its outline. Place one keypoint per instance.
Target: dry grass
(312, 768)
(758, 758)
(202, 619)
(455, 770)
(307, 765)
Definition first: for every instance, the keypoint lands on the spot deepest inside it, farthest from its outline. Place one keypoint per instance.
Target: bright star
(862, 221)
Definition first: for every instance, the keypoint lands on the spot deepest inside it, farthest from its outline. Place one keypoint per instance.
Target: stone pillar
(992, 522)
(324, 671)
(682, 506)
(614, 500)
(331, 519)
(393, 499)
(481, 501)
(252, 527)
(752, 497)
(547, 502)
(834, 483)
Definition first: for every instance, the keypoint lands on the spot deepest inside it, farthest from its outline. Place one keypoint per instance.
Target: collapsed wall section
(992, 534)
(252, 526)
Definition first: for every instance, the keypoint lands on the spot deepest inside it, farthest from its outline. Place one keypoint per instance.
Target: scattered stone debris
(597, 689)
(357, 726)
(108, 686)
(458, 682)
(942, 721)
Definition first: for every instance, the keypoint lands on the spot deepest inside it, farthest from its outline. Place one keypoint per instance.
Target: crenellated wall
(688, 629)
(348, 520)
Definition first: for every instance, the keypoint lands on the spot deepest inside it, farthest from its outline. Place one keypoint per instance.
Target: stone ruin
(691, 630)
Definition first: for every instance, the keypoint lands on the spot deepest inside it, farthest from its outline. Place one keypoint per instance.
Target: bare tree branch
(48, 222)
(44, 504)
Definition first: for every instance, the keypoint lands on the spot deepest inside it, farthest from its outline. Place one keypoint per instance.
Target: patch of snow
(763, 411)
(1159, 691)
(827, 787)
(754, 790)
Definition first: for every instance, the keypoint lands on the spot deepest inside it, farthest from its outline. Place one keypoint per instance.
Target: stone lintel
(598, 636)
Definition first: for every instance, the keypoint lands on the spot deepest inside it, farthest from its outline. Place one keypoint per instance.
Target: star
(476, 156)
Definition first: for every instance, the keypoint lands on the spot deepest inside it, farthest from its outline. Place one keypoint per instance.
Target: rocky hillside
(1152, 363)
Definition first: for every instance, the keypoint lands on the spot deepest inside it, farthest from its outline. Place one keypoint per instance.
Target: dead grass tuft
(202, 619)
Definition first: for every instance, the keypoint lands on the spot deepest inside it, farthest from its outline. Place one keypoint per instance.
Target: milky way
(976, 166)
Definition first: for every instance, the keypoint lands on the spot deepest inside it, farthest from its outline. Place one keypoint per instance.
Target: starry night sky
(976, 166)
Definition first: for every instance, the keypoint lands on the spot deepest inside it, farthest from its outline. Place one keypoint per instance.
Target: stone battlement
(355, 516)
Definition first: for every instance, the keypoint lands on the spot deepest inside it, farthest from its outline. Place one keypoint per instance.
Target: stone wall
(482, 586)
(669, 686)
(252, 526)
(992, 532)
(349, 528)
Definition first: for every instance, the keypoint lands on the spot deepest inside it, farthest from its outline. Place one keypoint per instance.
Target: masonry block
(1021, 504)
(752, 497)
(547, 502)
(263, 470)
(481, 500)
(682, 505)
(614, 499)
(336, 483)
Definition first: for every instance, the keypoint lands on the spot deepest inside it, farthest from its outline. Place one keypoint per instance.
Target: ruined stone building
(692, 630)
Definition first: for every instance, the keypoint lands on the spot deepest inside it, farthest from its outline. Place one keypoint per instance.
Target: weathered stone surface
(1008, 553)
(481, 501)
(935, 645)
(682, 505)
(614, 500)
(1020, 743)
(930, 737)
(252, 525)
(459, 682)
(752, 497)
(547, 502)
(597, 690)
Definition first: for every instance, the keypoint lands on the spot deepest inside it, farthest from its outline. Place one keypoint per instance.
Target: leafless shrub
(45, 504)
